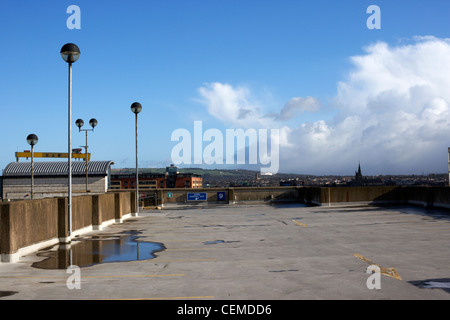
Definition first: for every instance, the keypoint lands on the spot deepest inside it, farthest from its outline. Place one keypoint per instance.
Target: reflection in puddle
(85, 252)
(443, 283)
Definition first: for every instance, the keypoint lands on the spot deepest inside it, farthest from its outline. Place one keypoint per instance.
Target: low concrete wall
(168, 197)
(24, 223)
(427, 196)
(29, 225)
(332, 196)
(378, 194)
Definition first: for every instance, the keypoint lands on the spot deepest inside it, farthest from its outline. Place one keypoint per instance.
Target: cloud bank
(393, 114)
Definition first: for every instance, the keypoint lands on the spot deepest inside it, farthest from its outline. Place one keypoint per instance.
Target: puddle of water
(99, 249)
(443, 284)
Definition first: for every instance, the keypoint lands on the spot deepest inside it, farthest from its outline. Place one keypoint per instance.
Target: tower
(358, 174)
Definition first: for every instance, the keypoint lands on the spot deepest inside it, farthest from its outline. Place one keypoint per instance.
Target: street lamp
(93, 122)
(32, 140)
(70, 53)
(136, 108)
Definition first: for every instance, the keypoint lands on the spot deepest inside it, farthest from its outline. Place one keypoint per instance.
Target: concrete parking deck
(262, 252)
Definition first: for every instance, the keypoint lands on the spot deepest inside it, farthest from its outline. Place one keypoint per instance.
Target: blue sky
(169, 54)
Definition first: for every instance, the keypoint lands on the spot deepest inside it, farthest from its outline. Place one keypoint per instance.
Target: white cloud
(296, 106)
(393, 114)
(232, 105)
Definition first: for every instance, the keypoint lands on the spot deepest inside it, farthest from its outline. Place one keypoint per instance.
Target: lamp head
(93, 122)
(32, 139)
(79, 123)
(136, 107)
(70, 52)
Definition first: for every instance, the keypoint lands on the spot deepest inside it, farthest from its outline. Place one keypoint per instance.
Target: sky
(338, 92)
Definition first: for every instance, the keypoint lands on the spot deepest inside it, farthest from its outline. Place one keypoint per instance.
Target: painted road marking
(184, 260)
(300, 224)
(170, 298)
(189, 249)
(190, 240)
(107, 276)
(390, 272)
(176, 298)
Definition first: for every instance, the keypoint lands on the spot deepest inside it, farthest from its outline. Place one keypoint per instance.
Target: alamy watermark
(74, 280)
(374, 21)
(235, 153)
(74, 20)
(374, 280)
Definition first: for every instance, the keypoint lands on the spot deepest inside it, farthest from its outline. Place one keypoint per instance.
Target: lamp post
(93, 122)
(32, 140)
(70, 53)
(136, 108)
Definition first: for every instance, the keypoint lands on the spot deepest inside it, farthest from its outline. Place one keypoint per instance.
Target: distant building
(50, 179)
(170, 179)
(363, 181)
(358, 174)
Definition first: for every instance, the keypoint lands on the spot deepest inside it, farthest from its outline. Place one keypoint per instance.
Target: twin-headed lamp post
(93, 122)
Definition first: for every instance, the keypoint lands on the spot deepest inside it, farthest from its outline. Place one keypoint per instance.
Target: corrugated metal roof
(56, 168)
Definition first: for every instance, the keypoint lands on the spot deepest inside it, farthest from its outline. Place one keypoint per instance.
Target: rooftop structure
(50, 178)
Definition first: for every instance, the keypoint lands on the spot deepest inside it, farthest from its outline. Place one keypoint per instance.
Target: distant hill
(245, 177)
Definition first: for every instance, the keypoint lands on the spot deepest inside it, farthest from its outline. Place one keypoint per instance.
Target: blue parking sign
(196, 196)
(220, 196)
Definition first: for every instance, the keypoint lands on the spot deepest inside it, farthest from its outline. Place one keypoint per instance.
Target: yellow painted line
(189, 249)
(191, 240)
(174, 298)
(108, 276)
(300, 224)
(390, 272)
(136, 276)
(171, 298)
(29, 277)
(185, 260)
(198, 232)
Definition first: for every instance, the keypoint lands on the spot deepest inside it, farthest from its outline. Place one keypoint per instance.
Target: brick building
(150, 180)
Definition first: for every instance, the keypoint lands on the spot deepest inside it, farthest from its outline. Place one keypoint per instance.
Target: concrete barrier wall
(81, 212)
(418, 195)
(29, 225)
(103, 209)
(124, 205)
(441, 197)
(33, 224)
(334, 195)
(24, 223)
(427, 196)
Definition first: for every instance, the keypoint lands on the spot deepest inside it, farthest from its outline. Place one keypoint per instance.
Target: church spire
(358, 174)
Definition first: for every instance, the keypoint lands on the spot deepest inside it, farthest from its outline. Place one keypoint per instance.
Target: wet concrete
(272, 257)
(88, 251)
